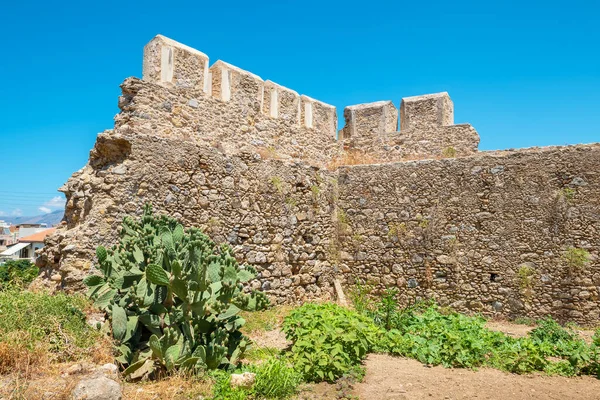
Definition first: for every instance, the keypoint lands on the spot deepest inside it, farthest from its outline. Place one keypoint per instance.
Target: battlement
(227, 98)
(174, 65)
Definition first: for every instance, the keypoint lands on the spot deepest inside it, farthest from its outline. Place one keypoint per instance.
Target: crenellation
(230, 83)
(315, 114)
(370, 119)
(169, 63)
(281, 102)
(422, 112)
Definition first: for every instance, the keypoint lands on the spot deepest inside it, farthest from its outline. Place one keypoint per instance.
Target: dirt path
(391, 378)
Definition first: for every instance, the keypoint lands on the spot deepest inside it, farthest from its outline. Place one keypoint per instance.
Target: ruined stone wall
(275, 215)
(460, 230)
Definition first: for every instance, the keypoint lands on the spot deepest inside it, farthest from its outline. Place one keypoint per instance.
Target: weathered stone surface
(99, 388)
(456, 230)
(245, 380)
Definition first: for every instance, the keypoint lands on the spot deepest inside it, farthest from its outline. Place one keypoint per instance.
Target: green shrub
(222, 389)
(328, 340)
(18, 272)
(576, 258)
(173, 297)
(276, 379)
(453, 340)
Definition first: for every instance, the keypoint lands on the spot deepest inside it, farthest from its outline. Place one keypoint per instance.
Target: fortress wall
(427, 130)
(147, 108)
(177, 66)
(460, 230)
(275, 215)
(245, 159)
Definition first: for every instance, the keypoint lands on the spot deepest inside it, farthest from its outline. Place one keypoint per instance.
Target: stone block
(370, 119)
(233, 84)
(281, 102)
(172, 64)
(426, 111)
(319, 116)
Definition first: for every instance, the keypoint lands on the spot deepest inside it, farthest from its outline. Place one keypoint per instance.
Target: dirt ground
(390, 378)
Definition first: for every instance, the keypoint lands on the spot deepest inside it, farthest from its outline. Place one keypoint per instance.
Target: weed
(17, 272)
(329, 340)
(290, 201)
(449, 152)
(276, 379)
(576, 258)
(315, 190)
(37, 327)
(397, 229)
(277, 183)
(525, 275)
(568, 193)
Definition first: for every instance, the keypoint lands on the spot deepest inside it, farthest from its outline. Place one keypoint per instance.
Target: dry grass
(173, 387)
(352, 157)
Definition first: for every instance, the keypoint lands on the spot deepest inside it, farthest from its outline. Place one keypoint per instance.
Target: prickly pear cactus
(173, 297)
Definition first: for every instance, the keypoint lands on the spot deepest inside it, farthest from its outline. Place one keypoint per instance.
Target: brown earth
(391, 378)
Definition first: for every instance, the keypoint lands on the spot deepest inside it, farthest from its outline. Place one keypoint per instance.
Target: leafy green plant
(359, 296)
(576, 258)
(173, 297)
(222, 389)
(525, 276)
(328, 340)
(276, 379)
(18, 272)
(41, 325)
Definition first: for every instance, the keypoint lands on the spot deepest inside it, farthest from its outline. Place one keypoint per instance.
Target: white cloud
(55, 202)
(17, 212)
(2, 213)
(45, 210)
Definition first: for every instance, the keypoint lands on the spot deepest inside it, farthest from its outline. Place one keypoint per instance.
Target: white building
(27, 246)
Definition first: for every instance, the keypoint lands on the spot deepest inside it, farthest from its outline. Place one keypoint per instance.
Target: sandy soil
(390, 378)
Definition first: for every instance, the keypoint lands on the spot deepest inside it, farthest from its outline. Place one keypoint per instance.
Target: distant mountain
(50, 219)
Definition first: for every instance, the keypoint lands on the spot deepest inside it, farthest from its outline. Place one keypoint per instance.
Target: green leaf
(138, 255)
(167, 240)
(245, 276)
(230, 312)
(155, 346)
(104, 300)
(157, 275)
(179, 287)
(93, 280)
(119, 322)
(178, 233)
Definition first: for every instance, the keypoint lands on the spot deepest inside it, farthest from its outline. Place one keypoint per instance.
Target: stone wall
(460, 230)
(257, 165)
(276, 215)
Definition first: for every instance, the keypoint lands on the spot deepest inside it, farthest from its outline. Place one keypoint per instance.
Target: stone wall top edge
(311, 100)
(425, 97)
(175, 43)
(483, 155)
(362, 106)
(277, 85)
(236, 69)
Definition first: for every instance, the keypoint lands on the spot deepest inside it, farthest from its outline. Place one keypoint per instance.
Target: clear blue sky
(524, 73)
